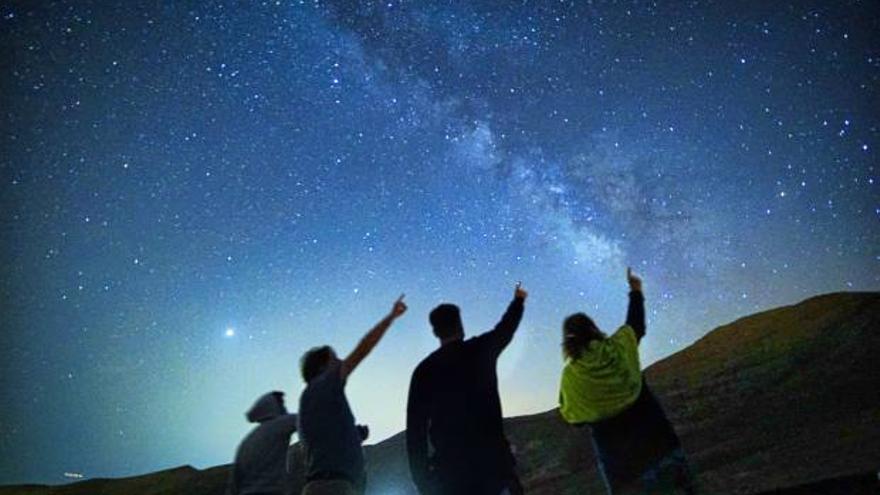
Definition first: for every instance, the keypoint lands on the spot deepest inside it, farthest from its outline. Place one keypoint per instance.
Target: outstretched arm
(417, 434)
(635, 314)
(502, 334)
(369, 341)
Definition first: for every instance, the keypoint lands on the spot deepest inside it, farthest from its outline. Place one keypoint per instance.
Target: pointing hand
(635, 283)
(399, 307)
(519, 292)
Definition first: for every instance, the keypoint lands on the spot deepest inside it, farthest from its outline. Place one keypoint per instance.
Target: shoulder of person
(431, 359)
(423, 368)
(479, 340)
(625, 332)
(332, 374)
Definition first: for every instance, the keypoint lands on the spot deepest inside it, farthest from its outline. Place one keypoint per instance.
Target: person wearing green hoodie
(602, 386)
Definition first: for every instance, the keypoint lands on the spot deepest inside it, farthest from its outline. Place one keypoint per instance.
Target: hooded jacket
(261, 457)
(606, 378)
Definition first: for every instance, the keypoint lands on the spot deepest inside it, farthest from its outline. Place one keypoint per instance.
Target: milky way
(190, 197)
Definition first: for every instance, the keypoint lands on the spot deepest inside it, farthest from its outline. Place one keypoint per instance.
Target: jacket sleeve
(417, 412)
(635, 315)
(288, 423)
(499, 337)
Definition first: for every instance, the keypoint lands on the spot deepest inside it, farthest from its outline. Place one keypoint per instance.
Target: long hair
(578, 330)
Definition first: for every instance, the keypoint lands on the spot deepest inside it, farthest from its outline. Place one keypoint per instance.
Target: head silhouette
(315, 361)
(267, 406)
(279, 397)
(446, 322)
(578, 330)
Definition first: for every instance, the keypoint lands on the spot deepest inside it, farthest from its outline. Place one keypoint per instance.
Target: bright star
(230, 332)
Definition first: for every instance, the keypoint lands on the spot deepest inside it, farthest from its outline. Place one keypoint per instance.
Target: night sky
(191, 196)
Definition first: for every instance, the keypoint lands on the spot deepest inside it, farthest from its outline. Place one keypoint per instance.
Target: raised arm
(417, 407)
(369, 341)
(635, 314)
(502, 334)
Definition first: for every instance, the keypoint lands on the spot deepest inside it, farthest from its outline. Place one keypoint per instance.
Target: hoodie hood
(268, 406)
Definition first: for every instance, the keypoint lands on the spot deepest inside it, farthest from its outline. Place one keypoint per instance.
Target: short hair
(314, 361)
(578, 330)
(446, 320)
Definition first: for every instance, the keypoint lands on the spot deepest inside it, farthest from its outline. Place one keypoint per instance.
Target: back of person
(328, 432)
(604, 380)
(454, 407)
(261, 457)
(466, 427)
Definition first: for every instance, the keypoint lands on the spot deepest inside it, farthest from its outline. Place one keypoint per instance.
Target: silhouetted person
(454, 404)
(261, 457)
(602, 386)
(332, 442)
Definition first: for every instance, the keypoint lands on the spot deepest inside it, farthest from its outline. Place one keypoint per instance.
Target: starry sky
(194, 193)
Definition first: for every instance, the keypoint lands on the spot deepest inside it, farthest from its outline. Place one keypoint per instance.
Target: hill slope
(782, 399)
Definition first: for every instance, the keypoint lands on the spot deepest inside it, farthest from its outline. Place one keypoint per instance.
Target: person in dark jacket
(453, 403)
(332, 442)
(261, 457)
(602, 386)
